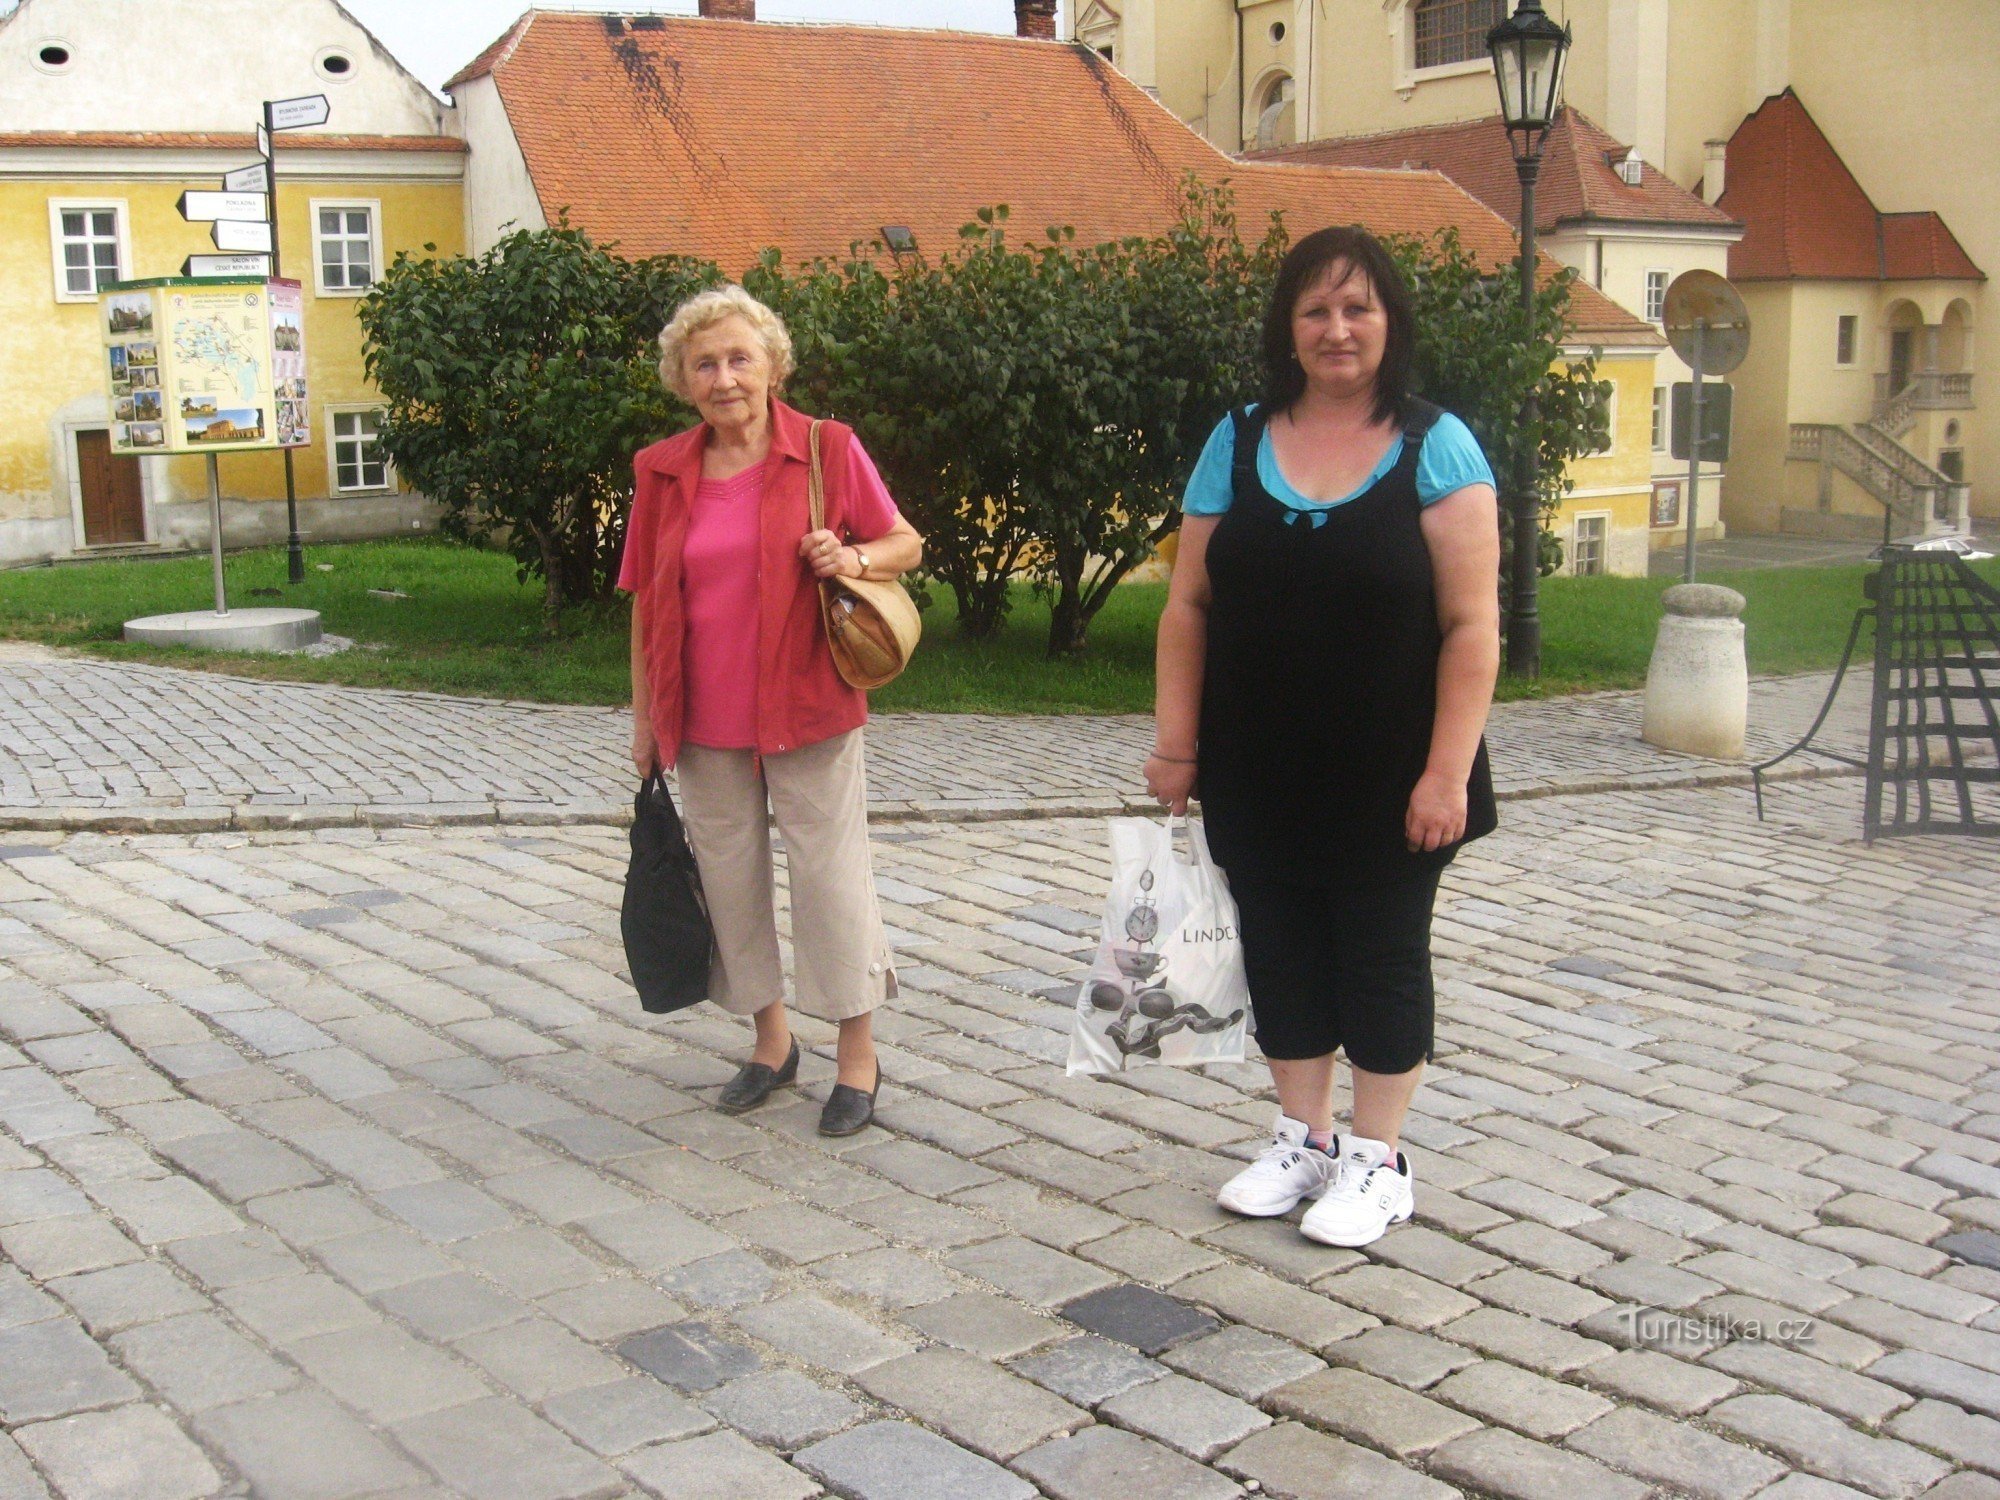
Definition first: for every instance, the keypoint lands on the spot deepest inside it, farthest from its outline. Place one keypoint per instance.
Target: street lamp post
(1528, 51)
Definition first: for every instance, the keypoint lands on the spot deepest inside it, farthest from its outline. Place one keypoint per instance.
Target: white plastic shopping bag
(1168, 985)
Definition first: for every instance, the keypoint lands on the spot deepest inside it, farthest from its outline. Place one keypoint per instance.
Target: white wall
(200, 65)
(499, 194)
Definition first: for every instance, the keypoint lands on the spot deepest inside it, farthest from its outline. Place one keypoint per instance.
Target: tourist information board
(205, 365)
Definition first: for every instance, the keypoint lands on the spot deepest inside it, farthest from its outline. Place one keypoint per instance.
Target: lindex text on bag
(1167, 984)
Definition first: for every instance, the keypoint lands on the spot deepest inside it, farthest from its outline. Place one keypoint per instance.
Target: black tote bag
(668, 942)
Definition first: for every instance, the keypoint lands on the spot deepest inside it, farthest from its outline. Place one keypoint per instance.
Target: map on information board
(221, 365)
(199, 365)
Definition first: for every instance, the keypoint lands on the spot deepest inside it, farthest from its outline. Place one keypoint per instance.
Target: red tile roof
(1806, 217)
(1577, 182)
(719, 138)
(187, 140)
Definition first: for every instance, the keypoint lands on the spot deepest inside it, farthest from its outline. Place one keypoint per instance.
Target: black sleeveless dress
(1320, 684)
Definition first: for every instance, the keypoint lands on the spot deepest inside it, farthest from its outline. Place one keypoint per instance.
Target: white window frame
(1663, 417)
(57, 208)
(373, 206)
(334, 488)
(1403, 49)
(1610, 427)
(1854, 347)
(1652, 313)
(1604, 543)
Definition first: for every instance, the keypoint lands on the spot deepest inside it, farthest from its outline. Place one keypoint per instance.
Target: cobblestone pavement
(94, 743)
(341, 1163)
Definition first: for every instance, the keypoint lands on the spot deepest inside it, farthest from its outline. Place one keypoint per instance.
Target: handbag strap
(816, 480)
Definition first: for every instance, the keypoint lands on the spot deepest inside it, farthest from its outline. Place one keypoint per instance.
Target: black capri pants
(1342, 964)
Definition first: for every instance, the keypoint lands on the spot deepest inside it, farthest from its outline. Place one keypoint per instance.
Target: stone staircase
(1917, 499)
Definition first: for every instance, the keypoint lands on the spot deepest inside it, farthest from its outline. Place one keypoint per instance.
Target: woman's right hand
(1170, 782)
(645, 747)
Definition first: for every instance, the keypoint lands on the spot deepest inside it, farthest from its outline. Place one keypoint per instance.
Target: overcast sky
(435, 38)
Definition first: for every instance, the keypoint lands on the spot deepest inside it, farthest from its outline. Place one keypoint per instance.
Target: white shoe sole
(1222, 1201)
(1355, 1242)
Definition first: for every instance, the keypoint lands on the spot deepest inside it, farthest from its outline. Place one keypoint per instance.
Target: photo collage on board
(133, 349)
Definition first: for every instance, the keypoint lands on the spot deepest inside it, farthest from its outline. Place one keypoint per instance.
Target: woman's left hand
(827, 558)
(1436, 814)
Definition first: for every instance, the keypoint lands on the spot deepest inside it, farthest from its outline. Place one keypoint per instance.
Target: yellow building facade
(101, 131)
(1905, 93)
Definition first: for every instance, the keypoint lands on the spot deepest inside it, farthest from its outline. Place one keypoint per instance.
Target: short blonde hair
(703, 311)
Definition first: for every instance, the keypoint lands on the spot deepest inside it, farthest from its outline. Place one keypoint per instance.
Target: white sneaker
(1284, 1172)
(1369, 1192)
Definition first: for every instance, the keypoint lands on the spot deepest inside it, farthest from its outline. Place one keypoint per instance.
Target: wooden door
(114, 508)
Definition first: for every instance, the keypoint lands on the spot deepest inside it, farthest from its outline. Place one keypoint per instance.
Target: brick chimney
(728, 10)
(1033, 18)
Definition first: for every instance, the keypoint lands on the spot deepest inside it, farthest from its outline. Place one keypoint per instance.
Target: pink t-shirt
(719, 593)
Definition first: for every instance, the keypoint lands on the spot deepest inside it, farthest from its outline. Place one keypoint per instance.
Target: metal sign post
(1708, 326)
(215, 533)
(287, 114)
(1694, 450)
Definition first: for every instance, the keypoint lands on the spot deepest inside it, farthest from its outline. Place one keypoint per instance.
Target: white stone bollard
(1697, 685)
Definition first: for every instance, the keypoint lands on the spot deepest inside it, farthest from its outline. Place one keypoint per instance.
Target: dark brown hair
(1304, 264)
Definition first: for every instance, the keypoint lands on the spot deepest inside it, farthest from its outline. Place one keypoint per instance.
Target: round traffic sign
(1706, 322)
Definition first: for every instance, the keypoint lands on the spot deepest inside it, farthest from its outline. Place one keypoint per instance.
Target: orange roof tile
(720, 138)
(1577, 182)
(187, 140)
(1806, 217)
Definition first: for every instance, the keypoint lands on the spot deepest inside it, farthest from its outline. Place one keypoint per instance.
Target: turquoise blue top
(1451, 459)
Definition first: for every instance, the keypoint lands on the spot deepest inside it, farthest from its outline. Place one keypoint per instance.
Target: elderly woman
(733, 683)
(1326, 660)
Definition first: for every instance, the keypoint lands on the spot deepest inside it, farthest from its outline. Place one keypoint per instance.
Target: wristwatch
(862, 558)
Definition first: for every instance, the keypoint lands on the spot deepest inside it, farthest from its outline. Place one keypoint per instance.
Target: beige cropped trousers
(819, 797)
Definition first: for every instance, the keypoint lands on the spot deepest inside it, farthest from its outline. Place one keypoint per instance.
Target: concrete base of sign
(1697, 685)
(239, 630)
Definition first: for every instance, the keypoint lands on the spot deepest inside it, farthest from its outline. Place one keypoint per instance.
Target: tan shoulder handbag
(871, 624)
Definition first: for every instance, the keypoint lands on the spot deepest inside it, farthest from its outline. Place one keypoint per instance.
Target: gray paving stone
(1501, 1463)
(1415, 1360)
(972, 1401)
(1508, 1396)
(1376, 1412)
(122, 1296)
(814, 1330)
(51, 1369)
(895, 1278)
(48, 1248)
(300, 1446)
(607, 1311)
(1957, 1434)
(165, 1210)
(527, 1262)
(1197, 1419)
(1826, 1446)
(984, 1325)
(1148, 1320)
(1397, 1296)
(494, 1450)
(625, 1414)
(782, 1408)
(654, 1237)
(1243, 1362)
(690, 1356)
(1524, 1341)
(1677, 1454)
(901, 1461)
(1089, 1370)
(133, 1453)
(1292, 1462)
(1674, 1386)
(1858, 1398)
(309, 1216)
(451, 1307)
(199, 1361)
(1103, 1463)
(289, 1308)
(241, 1164)
(538, 1358)
(444, 1211)
(1242, 1295)
(384, 1373)
(719, 1466)
(18, 1480)
(381, 1260)
(721, 1281)
(1037, 1275)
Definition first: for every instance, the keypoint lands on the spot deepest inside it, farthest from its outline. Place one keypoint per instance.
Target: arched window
(1275, 121)
(1454, 31)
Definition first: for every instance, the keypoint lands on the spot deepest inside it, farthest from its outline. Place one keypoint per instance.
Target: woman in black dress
(1326, 660)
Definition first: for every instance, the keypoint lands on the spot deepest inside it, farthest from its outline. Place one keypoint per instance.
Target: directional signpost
(227, 265)
(250, 236)
(255, 178)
